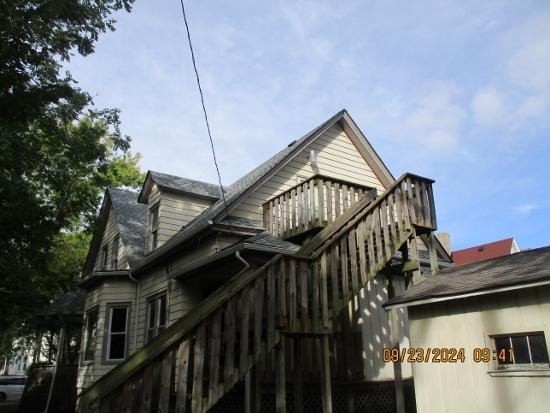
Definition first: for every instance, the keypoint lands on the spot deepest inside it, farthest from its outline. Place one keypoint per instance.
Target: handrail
(170, 336)
(321, 176)
(324, 235)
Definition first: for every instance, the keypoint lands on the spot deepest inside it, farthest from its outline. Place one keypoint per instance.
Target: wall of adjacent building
(470, 323)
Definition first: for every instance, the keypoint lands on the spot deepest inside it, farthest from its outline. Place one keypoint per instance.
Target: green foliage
(57, 151)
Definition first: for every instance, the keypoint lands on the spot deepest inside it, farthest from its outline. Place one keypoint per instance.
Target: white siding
(175, 211)
(110, 292)
(109, 234)
(336, 157)
(469, 323)
(374, 322)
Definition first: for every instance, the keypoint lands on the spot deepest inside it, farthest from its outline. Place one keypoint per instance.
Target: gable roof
(483, 252)
(131, 218)
(236, 191)
(511, 271)
(178, 184)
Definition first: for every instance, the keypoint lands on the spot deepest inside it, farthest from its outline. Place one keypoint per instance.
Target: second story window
(104, 257)
(114, 253)
(156, 316)
(154, 222)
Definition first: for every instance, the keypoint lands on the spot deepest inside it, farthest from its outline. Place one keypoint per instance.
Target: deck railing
(314, 203)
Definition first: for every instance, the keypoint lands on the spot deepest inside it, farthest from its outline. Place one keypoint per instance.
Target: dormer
(121, 228)
(172, 202)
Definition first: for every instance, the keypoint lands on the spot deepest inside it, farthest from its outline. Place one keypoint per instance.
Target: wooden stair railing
(198, 359)
(314, 203)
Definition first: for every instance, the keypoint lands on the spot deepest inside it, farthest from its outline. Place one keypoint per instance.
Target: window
(154, 222)
(117, 332)
(104, 257)
(90, 334)
(522, 349)
(156, 316)
(114, 252)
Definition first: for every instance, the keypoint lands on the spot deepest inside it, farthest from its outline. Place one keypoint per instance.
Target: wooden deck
(197, 360)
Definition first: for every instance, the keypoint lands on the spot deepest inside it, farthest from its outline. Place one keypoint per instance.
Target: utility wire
(204, 107)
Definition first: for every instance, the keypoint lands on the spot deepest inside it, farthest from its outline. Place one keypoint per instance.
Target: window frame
(114, 252)
(105, 257)
(107, 332)
(154, 212)
(520, 366)
(155, 298)
(93, 346)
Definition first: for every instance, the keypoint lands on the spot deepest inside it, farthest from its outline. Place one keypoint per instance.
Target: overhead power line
(204, 106)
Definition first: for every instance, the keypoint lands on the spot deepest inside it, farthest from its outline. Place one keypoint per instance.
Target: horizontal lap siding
(109, 234)
(110, 292)
(336, 157)
(175, 211)
(469, 323)
(374, 323)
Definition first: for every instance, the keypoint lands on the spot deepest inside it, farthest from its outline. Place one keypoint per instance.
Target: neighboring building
(236, 282)
(498, 311)
(485, 251)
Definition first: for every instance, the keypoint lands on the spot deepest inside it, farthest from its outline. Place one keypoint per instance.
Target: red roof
(483, 252)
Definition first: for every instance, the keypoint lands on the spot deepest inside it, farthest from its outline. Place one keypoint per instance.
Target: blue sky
(457, 91)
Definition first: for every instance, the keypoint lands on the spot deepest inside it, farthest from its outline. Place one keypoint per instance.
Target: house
(488, 327)
(263, 295)
(485, 251)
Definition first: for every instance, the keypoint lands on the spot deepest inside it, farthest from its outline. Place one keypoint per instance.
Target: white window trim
(108, 314)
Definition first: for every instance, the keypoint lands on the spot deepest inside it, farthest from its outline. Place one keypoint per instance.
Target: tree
(57, 151)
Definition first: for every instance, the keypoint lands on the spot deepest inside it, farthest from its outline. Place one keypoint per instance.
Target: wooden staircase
(198, 359)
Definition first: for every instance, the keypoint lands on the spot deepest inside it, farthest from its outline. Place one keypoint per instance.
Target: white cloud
(489, 108)
(525, 209)
(435, 118)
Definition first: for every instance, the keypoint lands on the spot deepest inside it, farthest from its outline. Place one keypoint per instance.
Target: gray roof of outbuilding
(131, 217)
(517, 269)
(185, 185)
(69, 303)
(234, 191)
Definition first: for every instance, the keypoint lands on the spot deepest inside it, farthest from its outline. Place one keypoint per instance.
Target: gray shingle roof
(234, 191)
(131, 217)
(512, 270)
(69, 303)
(268, 240)
(179, 184)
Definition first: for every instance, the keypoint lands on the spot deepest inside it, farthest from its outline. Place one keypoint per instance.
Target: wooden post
(298, 376)
(433, 253)
(398, 376)
(280, 378)
(326, 387)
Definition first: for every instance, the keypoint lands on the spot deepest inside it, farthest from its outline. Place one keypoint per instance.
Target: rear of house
(161, 255)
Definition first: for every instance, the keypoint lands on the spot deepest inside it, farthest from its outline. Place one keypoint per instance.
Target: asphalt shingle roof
(234, 191)
(515, 269)
(180, 184)
(131, 217)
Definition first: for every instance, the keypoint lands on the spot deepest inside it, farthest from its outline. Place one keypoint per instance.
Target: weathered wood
(127, 396)
(214, 370)
(165, 382)
(333, 274)
(258, 317)
(329, 190)
(337, 200)
(360, 234)
(384, 221)
(280, 378)
(346, 197)
(244, 317)
(271, 307)
(304, 297)
(324, 292)
(326, 386)
(198, 367)
(344, 270)
(147, 389)
(229, 336)
(370, 242)
(292, 296)
(183, 376)
(321, 200)
(298, 376)
(315, 309)
(353, 260)
(282, 296)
